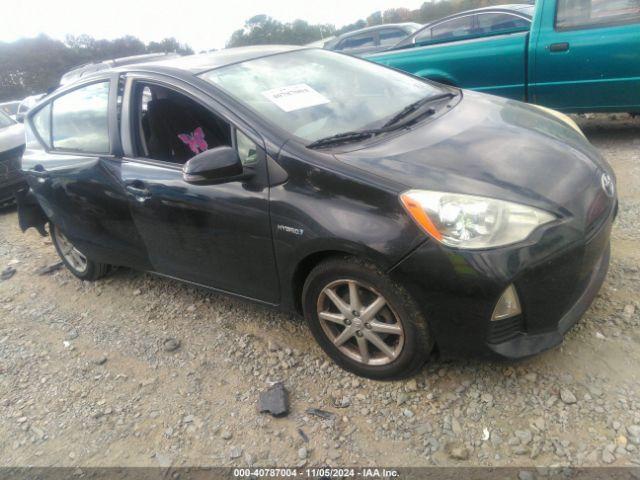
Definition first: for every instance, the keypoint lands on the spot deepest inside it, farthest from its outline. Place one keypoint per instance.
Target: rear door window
(358, 41)
(500, 23)
(391, 36)
(575, 14)
(80, 119)
(423, 36)
(455, 29)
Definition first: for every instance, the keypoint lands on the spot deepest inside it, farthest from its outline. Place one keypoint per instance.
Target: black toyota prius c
(402, 218)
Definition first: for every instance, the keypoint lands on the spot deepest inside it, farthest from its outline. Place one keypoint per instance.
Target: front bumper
(556, 275)
(522, 344)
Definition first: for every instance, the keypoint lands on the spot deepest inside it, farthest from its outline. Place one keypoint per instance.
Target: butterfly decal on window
(195, 141)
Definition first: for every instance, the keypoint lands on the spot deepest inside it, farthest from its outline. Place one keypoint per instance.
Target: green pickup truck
(570, 55)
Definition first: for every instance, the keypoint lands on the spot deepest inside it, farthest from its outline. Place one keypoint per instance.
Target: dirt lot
(86, 379)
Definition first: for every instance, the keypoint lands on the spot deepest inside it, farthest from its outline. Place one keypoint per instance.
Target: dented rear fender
(30, 213)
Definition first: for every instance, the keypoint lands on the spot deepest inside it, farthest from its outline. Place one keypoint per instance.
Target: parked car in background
(89, 68)
(487, 21)
(323, 43)
(27, 104)
(372, 39)
(383, 207)
(573, 56)
(10, 108)
(11, 148)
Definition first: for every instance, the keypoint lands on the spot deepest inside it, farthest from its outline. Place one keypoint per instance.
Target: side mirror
(218, 165)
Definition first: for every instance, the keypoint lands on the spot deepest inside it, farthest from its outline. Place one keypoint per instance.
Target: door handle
(138, 190)
(559, 47)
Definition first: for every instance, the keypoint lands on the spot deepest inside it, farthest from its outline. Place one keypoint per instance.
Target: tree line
(34, 65)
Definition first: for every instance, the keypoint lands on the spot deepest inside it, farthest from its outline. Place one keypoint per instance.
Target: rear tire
(367, 323)
(77, 263)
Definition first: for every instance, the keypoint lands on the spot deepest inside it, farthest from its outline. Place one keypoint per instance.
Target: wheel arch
(311, 259)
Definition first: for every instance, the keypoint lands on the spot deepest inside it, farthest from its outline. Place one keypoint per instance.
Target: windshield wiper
(415, 106)
(391, 125)
(346, 137)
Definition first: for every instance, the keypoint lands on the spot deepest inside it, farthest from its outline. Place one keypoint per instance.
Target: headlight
(467, 221)
(562, 117)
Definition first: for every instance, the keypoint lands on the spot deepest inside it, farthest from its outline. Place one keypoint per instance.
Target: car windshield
(316, 94)
(5, 120)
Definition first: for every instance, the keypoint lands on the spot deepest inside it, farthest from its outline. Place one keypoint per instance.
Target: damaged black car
(11, 148)
(401, 217)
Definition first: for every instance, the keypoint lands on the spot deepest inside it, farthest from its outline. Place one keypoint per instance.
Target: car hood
(11, 137)
(494, 147)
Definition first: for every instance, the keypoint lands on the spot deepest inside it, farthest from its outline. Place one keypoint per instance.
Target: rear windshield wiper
(413, 107)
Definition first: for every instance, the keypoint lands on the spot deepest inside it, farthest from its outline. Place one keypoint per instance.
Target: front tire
(77, 262)
(367, 323)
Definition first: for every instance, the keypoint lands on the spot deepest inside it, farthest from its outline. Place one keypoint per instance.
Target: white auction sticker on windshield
(295, 97)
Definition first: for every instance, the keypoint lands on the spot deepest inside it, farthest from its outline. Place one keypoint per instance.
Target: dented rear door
(72, 166)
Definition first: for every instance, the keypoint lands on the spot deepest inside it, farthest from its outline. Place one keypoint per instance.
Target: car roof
(86, 69)
(514, 7)
(204, 62)
(377, 27)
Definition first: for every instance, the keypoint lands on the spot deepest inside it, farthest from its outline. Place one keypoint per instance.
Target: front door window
(174, 128)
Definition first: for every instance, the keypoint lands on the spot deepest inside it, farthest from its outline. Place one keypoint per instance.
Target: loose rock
(567, 396)
(7, 273)
(275, 401)
(457, 451)
(171, 344)
(321, 413)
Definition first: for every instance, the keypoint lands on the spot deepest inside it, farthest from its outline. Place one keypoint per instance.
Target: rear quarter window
(79, 119)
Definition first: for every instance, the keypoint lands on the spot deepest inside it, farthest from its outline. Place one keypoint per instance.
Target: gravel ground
(87, 376)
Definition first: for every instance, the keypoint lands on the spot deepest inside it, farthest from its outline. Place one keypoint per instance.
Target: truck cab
(570, 55)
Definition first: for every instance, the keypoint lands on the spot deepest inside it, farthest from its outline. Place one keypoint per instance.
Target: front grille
(504, 330)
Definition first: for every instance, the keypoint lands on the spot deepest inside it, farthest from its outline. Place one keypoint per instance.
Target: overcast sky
(203, 24)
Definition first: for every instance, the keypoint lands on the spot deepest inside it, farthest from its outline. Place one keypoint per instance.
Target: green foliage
(35, 65)
(262, 29)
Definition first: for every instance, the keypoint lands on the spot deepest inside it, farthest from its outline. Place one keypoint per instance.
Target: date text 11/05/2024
(320, 472)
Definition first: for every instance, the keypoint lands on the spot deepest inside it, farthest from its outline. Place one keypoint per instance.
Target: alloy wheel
(71, 254)
(360, 322)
